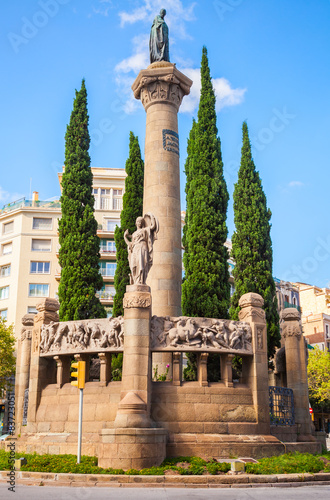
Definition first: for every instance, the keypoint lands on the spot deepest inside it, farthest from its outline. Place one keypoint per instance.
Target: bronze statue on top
(159, 44)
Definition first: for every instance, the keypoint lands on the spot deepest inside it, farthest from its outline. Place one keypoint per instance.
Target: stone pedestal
(256, 367)
(296, 370)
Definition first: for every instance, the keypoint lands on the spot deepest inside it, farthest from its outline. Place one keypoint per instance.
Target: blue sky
(270, 65)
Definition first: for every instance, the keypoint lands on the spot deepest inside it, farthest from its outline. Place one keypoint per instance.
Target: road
(102, 493)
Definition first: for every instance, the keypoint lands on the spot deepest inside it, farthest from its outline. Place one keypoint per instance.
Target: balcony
(105, 297)
(287, 304)
(23, 203)
(105, 253)
(58, 274)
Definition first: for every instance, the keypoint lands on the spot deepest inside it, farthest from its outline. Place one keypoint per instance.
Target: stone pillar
(134, 407)
(202, 368)
(39, 372)
(63, 370)
(105, 368)
(227, 369)
(23, 367)
(133, 442)
(177, 363)
(161, 88)
(296, 370)
(256, 367)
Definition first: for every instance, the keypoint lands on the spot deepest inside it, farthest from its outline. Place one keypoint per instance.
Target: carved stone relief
(139, 300)
(161, 88)
(87, 335)
(200, 334)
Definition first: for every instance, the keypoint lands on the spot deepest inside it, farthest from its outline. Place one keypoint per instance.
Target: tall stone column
(23, 367)
(161, 88)
(296, 370)
(255, 368)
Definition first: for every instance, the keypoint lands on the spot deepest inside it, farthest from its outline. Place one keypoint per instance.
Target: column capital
(161, 84)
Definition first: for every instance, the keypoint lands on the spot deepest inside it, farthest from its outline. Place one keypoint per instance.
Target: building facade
(29, 268)
(315, 305)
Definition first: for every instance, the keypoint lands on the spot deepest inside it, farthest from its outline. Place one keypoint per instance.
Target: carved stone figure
(159, 41)
(140, 248)
(200, 334)
(85, 335)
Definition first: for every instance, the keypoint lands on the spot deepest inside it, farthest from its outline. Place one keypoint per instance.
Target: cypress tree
(132, 208)
(205, 289)
(252, 245)
(79, 252)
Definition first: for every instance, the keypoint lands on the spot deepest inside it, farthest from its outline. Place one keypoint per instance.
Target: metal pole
(81, 393)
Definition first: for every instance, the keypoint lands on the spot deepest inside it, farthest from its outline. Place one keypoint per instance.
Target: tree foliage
(318, 370)
(79, 252)
(7, 358)
(206, 289)
(132, 208)
(252, 245)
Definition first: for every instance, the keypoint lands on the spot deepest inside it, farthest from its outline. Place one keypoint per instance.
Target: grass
(283, 464)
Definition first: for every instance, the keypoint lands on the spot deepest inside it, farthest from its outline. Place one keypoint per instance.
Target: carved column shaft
(227, 369)
(105, 368)
(256, 371)
(296, 369)
(177, 364)
(202, 358)
(62, 370)
(23, 366)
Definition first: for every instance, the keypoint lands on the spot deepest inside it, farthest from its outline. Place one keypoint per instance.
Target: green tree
(252, 245)
(132, 208)
(79, 252)
(318, 370)
(205, 289)
(7, 358)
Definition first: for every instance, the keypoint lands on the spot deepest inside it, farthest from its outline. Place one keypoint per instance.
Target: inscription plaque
(171, 141)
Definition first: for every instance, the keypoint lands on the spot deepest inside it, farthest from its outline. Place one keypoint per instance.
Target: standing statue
(159, 44)
(140, 248)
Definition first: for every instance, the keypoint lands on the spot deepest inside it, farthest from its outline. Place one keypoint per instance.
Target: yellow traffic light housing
(80, 366)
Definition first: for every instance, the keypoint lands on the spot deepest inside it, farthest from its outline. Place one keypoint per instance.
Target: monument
(137, 422)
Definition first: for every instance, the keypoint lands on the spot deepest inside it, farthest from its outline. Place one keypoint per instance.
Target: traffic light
(80, 366)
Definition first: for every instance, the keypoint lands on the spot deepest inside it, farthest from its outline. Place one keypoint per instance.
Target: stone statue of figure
(159, 44)
(140, 248)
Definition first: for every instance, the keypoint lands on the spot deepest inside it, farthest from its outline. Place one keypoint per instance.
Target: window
(4, 292)
(117, 192)
(95, 190)
(32, 310)
(8, 228)
(3, 314)
(42, 223)
(7, 248)
(40, 267)
(38, 290)
(41, 245)
(327, 331)
(108, 246)
(105, 191)
(108, 268)
(5, 270)
(111, 225)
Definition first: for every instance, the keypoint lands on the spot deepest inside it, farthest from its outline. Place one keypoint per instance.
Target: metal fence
(281, 406)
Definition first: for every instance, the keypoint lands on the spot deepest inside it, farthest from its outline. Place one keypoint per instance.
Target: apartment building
(315, 305)
(29, 268)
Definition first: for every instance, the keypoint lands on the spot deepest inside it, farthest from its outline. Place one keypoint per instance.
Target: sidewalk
(177, 481)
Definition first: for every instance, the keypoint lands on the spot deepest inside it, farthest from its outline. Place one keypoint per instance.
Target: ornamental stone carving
(290, 323)
(200, 334)
(142, 300)
(94, 335)
(26, 331)
(158, 84)
(251, 299)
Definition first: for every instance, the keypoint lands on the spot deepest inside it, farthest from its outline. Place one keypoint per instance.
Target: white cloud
(294, 184)
(103, 8)
(225, 94)
(178, 15)
(6, 197)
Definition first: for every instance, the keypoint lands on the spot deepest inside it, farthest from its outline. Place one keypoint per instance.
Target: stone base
(209, 446)
(131, 448)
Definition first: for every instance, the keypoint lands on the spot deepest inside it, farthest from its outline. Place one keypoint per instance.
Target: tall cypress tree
(206, 289)
(79, 252)
(132, 208)
(252, 245)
